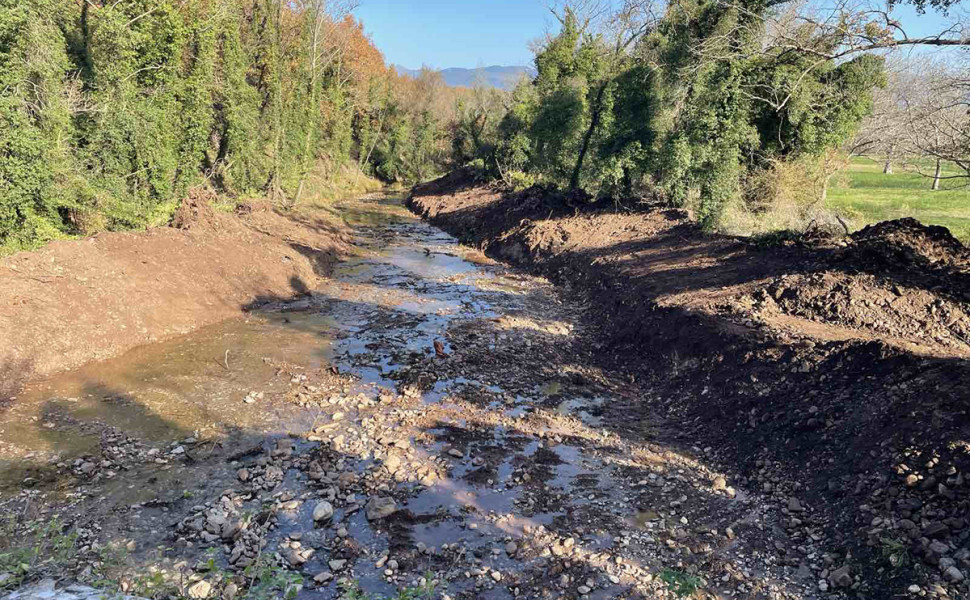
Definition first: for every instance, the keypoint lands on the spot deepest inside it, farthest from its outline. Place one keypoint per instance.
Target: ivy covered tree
(110, 111)
(691, 106)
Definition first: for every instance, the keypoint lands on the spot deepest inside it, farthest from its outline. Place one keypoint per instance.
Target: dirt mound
(907, 243)
(837, 373)
(195, 210)
(76, 301)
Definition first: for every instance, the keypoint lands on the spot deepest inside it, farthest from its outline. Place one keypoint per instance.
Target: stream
(429, 405)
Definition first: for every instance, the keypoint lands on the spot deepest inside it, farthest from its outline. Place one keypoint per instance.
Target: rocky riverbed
(427, 420)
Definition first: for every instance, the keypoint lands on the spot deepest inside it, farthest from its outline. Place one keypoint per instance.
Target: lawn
(865, 195)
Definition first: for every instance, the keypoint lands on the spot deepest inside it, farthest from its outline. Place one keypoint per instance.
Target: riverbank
(73, 302)
(824, 373)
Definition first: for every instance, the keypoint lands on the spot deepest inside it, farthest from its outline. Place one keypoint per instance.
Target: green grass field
(865, 195)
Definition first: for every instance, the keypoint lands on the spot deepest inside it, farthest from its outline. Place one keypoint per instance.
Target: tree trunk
(938, 175)
(588, 137)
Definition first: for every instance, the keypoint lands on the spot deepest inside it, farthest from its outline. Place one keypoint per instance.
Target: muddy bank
(831, 375)
(77, 301)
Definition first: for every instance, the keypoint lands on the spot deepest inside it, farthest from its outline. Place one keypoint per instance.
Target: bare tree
(938, 121)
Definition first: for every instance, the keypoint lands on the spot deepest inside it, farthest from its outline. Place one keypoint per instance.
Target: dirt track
(684, 414)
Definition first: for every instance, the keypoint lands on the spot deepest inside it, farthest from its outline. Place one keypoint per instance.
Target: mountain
(503, 78)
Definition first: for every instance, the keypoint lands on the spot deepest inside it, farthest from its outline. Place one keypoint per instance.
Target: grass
(865, 195)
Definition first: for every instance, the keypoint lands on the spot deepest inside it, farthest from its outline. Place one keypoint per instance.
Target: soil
(77, 301)
(835, 372)
(642, 411)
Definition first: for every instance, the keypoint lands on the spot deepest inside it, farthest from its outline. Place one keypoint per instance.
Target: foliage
(682, 584)
(42, 548)
(425, 591)
(110, 111)
(693, 111)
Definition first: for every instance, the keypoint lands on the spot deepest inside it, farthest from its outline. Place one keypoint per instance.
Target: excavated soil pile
(76, 301)
(833, 375)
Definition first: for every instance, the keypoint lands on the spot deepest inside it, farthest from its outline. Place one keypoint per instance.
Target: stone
(954, 574)
(720, 483)
(323, 511)
(496, 575)
(392, 462)
(230, 591)
(841, 577)
(511, 548)
(380, 508)
(583, 590)
(337, 564)
(323, 577)
(938, 547)
(794, 505)
(200, 590)
(936, 530)
(456, 453)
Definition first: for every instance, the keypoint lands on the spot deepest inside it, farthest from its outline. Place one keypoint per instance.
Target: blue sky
(476, 33)
(454, 33)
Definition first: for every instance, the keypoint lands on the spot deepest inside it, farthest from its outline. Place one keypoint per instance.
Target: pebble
(323, 511)
(200, 590)
(380, 508)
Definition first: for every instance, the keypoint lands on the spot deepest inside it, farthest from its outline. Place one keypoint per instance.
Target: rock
(294, 557)
(337, 564)
(200, 590)
(380, 508)
(392, 462)
(911, 480)
(243, 474)
(794, 505)
(841, 577)
(456, 453)
(936, 530)
(583, 590)
(88, 467)
(511, 548)
(954, 574)
(720, 483)
(47, 590)
(230, 591)
(323, 577)
(938, 547)
(323, 511)
(496, 575)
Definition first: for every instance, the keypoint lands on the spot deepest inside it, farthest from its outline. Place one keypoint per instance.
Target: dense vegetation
(110, 111)
(695, 108)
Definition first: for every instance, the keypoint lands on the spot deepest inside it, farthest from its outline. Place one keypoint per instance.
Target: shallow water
(388, 303)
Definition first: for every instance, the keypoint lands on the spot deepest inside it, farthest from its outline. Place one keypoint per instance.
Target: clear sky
(455, 33)
(477, 33)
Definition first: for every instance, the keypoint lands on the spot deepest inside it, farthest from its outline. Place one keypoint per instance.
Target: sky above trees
(455, 33)
(472, 33)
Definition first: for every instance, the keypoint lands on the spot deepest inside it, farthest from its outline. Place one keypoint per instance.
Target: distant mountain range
(503, 78)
